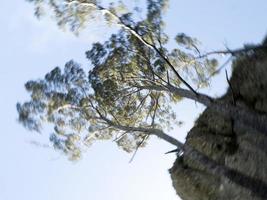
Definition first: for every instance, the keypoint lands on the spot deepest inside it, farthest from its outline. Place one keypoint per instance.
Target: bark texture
(223, 159)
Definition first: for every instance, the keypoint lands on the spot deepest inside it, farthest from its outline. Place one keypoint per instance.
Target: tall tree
(135, 80)
(128, 94)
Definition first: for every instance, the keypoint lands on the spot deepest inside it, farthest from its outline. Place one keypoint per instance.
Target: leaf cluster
(118, 98)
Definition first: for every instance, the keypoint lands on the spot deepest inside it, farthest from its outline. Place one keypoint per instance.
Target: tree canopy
(134, 81)
(128, 95)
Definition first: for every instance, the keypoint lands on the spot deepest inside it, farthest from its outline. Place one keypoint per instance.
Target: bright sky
(29, 48)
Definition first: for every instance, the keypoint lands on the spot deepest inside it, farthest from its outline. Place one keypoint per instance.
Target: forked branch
(126, 27)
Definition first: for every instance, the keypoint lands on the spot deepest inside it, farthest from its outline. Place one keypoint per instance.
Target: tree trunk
(223, 160)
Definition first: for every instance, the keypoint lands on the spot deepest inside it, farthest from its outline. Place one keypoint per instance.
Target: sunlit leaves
(194, 68)
(82, 115)
(129, 142)
(116, 99)
(186, 41)
(56, 99)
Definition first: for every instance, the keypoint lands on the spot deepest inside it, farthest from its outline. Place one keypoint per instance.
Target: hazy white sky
(30, 48)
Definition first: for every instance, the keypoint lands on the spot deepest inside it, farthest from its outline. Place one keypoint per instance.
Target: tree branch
(201, 98)
(134, 33)
(242, 115)
(233, 52)
(148, 131)
(138, 146)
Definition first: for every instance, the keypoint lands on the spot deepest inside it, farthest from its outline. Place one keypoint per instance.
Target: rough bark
(224, 159)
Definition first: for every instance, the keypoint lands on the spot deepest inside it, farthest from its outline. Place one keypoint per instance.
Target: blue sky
(30, 48)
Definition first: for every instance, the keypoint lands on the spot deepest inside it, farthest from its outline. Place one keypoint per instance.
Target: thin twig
(231, 88)
(138, 146)
(140, 105)
(155, 110)
(121, 136)
(235, 52)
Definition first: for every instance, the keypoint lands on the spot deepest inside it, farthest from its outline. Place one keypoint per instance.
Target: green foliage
(117, 100)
